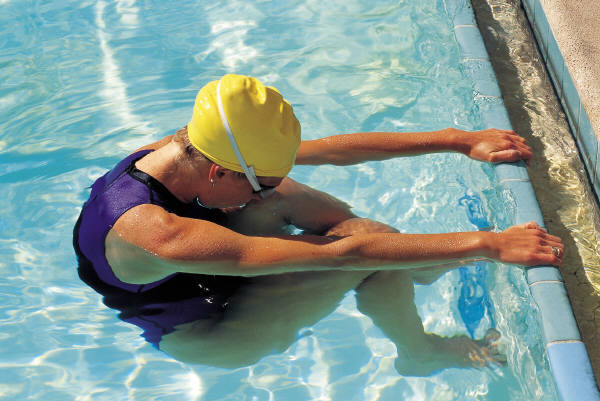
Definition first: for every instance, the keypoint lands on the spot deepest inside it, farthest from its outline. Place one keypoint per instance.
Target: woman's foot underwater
(481, 353)
(458, 351)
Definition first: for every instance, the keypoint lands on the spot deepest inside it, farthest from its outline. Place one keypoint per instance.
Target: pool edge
(566, 353)
(583, 132)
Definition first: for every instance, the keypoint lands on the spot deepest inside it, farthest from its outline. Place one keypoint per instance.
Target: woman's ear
(215, 171)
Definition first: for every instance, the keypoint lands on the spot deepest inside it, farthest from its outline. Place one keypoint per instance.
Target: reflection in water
(474, 301)
(183, 299)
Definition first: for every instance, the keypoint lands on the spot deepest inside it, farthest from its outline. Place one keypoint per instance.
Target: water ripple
(84, 82)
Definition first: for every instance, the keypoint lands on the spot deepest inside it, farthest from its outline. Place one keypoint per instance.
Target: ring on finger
(556, 252)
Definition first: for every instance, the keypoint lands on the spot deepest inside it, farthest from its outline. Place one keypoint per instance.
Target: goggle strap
(248, 171)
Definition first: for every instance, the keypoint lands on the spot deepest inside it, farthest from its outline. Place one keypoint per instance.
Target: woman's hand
(492, 145)
(526, 244)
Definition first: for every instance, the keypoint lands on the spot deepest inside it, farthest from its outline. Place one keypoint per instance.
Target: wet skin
(265, 316)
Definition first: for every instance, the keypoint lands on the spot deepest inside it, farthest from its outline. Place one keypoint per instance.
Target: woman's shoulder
(155, 145)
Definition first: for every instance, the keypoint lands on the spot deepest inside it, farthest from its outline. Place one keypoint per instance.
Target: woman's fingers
(529, 224)
(548, 254)
(551, 245)
(553, 241)
(531, 245)
(512, 153)
(525, 150)
(496, 146)
(544, 236)
(522, 145)
(509, 155)
(544, 258)
(517, 137)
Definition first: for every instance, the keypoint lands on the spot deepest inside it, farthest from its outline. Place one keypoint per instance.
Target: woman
(213, 199)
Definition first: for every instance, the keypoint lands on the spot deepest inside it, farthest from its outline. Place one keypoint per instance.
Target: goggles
(263, 191)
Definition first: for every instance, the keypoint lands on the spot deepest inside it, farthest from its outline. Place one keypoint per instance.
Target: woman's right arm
(201, 247)
(490, 145)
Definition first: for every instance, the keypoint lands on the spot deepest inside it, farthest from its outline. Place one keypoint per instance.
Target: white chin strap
(249, 171)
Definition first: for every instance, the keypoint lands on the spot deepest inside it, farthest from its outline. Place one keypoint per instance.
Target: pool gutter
(567, 355)
(568, 39)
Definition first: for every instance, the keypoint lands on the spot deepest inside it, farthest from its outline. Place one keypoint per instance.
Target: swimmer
(214, 200)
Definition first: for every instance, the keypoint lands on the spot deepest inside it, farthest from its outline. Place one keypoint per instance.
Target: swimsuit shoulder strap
(157, 191)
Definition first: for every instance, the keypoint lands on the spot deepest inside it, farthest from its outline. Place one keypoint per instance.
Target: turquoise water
(83, 83)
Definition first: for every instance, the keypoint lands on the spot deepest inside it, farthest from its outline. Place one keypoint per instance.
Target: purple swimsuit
(158, 306)
(112, 195)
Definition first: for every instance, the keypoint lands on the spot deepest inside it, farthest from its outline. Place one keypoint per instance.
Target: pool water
(84, 83)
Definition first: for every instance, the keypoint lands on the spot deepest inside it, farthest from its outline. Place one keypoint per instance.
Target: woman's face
(232, 189)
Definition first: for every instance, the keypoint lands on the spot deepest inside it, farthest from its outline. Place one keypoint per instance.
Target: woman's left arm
(490, 145)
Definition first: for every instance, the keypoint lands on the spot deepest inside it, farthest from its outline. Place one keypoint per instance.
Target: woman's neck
(163, 164)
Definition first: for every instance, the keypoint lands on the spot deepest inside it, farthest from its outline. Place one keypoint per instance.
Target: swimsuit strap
(153, 185)
(160, 195)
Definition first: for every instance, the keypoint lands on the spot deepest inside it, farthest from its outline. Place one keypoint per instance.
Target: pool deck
(568, 36)
(575, 25)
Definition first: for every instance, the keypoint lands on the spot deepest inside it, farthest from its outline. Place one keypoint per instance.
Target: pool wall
(578, 109)
(566, 352)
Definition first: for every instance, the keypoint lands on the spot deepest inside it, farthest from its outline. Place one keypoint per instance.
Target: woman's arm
(161, 243)
(491, 145)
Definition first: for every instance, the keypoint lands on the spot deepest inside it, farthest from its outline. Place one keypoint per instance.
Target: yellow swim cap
(261, 120)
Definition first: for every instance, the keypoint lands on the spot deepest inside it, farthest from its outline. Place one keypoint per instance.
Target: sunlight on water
(84, 83)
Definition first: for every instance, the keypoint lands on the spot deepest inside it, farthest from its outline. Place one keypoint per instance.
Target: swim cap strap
(249, 171)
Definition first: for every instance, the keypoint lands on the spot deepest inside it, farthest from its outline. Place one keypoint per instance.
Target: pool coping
(567, 355)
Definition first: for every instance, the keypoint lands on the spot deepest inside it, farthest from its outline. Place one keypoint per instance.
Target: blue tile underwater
(522, 196)
(511, 172)
(464, 16)
(557, 316)
(482, 75)
(493, 113)
(470, 43)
